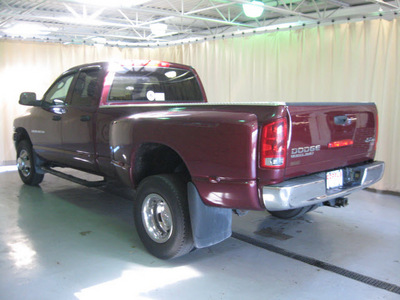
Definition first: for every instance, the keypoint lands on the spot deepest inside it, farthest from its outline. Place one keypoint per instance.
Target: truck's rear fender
(152, 159)
(218, 148)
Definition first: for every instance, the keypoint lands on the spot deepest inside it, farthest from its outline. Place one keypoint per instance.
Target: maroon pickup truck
(147, 125)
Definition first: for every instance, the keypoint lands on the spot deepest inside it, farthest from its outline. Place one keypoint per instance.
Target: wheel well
(153, 159)
(21, 134)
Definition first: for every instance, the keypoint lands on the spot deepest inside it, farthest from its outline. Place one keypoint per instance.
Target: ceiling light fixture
(158, 29)
(84, 18)
(254, 9)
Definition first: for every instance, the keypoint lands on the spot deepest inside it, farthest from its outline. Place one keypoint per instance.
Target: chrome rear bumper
(309, 190)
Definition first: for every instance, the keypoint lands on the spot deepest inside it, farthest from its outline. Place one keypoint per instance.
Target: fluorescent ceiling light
(84, 18)
(164, 35)
(254, 9)
(28, 29)
(116, 3)
(82, 21)
(158, 29)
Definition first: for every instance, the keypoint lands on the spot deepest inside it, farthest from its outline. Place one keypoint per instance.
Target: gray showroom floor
(65, 241)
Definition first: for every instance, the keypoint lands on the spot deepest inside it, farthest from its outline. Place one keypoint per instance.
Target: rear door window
(86, 91)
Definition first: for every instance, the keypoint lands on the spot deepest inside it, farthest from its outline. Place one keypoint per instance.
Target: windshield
(155, 84)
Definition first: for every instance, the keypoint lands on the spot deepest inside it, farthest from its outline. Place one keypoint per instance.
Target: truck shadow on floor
(83, 212)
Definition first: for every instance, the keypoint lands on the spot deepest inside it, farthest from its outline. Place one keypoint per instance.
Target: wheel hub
(157, 218)
(24, 163)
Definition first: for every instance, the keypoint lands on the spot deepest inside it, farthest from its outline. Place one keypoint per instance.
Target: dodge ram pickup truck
(147, 125)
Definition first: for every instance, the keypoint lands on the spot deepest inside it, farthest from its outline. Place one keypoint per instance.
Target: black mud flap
(210, 225)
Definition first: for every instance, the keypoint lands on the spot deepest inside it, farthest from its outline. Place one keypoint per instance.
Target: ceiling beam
(386, 4)
(22, 13)
(133, 24)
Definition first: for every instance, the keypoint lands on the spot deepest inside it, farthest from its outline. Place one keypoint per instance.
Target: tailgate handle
(56, 118)
(85, 118)
(341, 120)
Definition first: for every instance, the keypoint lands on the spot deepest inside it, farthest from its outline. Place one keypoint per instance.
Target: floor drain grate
(320, 264)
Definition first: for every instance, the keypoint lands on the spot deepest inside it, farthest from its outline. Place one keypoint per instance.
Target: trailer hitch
(338, 202)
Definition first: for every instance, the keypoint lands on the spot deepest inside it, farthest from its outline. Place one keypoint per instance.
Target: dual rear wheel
(161, 216)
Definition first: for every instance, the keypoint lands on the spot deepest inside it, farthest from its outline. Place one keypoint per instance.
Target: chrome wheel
(157, 218)
(24, 163)
(161, 216)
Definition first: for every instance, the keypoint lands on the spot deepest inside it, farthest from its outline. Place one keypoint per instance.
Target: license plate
(334, 179)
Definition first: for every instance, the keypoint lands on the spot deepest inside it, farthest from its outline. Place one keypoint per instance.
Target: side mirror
(29, 99)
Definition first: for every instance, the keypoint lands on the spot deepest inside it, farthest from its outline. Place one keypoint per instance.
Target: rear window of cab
(155, 84)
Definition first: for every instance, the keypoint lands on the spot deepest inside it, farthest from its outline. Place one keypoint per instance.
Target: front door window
(57, 94)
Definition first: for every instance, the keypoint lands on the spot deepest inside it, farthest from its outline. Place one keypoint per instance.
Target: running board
(75, 179)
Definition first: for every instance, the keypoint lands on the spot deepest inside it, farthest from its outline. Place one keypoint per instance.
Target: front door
(46, 121)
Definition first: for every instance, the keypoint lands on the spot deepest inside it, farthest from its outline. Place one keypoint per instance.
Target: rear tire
(293, 213)
(26, 164)
(161, 216)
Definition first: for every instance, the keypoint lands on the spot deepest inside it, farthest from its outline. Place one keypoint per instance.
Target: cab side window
(57, 94)
(86, 91)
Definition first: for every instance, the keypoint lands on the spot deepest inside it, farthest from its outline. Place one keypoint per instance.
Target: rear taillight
(376, 131)
(273, 144)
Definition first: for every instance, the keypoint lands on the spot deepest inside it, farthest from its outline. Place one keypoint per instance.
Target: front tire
(161, 216)
(26, 164)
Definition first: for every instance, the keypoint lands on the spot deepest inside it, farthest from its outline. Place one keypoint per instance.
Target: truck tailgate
(329, 136)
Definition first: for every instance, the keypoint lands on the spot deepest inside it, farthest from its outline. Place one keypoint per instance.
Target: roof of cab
(139, 62)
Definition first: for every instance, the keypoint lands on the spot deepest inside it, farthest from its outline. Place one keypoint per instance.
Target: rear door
(326, 137)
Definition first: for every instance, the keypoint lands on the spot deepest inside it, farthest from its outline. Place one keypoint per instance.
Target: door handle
(56, 118)
(344, 120)
(85, 118)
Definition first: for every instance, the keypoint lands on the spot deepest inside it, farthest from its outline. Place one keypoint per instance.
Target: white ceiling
(128, 24)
